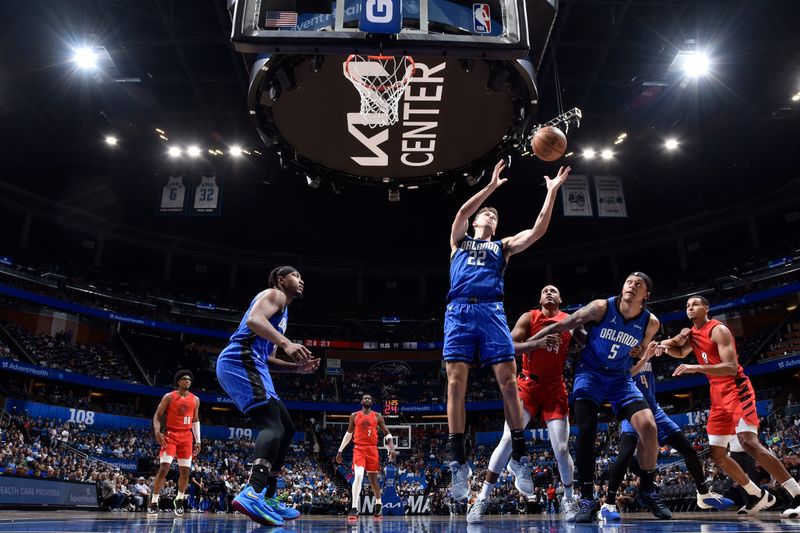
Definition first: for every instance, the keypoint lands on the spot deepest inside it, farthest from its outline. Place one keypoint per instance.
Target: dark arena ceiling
(168, 66)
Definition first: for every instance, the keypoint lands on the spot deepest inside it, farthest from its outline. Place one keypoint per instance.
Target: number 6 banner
(381, 16)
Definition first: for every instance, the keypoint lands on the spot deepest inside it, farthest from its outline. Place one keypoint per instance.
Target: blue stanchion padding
(381, 16)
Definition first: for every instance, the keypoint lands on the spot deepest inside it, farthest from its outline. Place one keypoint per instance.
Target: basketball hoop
(380, 82)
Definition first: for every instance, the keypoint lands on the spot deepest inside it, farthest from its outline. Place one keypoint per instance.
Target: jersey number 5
(477, 257)
(614, 348)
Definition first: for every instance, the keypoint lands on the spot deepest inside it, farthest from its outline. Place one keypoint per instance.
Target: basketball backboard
(463, 28)
(469, 98)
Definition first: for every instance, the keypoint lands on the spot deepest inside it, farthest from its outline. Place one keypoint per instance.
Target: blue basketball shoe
(254, 505)
(283, 510)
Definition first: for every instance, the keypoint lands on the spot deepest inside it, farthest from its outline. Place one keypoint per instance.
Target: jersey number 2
(477, 257)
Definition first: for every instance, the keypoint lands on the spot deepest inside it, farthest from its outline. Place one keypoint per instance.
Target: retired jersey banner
(610, 198)
(173, 196)
(575, 197)
(206, 198)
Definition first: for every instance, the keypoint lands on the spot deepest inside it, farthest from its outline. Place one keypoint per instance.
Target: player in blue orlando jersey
(614, 327)
(243, 370)
(668, 433)
(475, 322)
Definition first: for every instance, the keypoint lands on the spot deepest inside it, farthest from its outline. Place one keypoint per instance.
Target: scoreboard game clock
(391, 409)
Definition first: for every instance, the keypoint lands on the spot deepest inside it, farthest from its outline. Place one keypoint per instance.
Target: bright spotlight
(85, 58)
(796, 97)
(111, 140)
(589, 153)
(193, 151)
(235, 151)
(174, 151)
(671, 144)
(607, 154)
(696, 64)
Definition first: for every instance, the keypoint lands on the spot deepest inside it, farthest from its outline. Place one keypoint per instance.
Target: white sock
(154, 498)
(568, 494)
(752, 489)
(791, 487)
(486, 490)
(180, 496)
(378, 500)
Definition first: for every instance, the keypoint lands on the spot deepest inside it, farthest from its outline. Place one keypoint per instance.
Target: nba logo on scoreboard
(482, 18)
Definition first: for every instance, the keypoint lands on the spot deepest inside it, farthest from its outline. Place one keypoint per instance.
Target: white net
(380, 82)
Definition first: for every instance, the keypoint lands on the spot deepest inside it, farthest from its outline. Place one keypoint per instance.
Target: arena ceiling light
(796, 97)
(695, 64)
(671, 144)
(85, 57)
(235, 151)
(607, 154)
(589, 153)
(111, 140)
(193, 151)
(174, 151)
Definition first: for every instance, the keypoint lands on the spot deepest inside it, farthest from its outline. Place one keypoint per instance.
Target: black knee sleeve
(586, 419)
(679, 441)
(271, 432)
(627, 447)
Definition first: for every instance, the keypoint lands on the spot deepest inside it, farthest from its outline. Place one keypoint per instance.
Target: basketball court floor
(71, 521)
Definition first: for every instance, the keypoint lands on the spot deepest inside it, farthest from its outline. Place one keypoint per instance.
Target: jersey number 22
(477, 257)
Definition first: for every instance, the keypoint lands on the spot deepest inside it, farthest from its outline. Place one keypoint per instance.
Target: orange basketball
(549, 143)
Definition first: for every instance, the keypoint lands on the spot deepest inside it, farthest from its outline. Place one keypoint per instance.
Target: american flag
(280, 19)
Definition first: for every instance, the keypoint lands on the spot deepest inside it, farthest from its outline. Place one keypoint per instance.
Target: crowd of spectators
(61, 352)
(48, 449)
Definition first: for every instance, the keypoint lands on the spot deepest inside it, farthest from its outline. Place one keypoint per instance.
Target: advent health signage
(36, 492)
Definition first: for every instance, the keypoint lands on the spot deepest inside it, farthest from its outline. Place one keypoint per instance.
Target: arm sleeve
(196, 431)
(345, 441)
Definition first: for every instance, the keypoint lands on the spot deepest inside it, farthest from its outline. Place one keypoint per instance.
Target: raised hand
(297, 352)
(496, 179)
(558, 181)
(308, 367)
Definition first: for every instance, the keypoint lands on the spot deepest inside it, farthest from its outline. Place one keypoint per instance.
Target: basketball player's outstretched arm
(678, 346)
(522, 240)
(351, 427)
(591, 312)
(303, 367)
(652, 347)
(729, 366)
(270, 302)
(461, 221)
(648, 354)
(160, 410)
(520, 334)
(387, 436)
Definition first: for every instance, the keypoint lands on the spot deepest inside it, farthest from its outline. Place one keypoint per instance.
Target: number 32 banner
(381, 16)
(206, 198)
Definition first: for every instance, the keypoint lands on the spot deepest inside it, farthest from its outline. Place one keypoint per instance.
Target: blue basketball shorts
(245, 377)
(477, 330)
(619, 389)
(666, 426)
